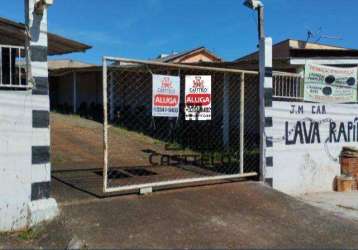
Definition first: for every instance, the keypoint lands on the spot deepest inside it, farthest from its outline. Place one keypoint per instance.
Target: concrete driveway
(343, 204)
(234, 215)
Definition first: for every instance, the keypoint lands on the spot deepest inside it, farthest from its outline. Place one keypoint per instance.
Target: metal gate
(142, 152)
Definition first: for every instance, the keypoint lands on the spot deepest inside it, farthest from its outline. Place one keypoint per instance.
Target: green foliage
(57, 157)
(30, 234)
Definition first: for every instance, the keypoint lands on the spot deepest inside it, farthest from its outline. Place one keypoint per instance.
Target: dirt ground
(77, 157)
(236, 215)
(77, 144)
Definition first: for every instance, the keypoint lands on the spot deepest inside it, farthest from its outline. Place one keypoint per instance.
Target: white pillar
(41, 207)
(265, 86)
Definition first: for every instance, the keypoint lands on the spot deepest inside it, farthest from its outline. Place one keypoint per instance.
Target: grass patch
(252, 152)
(76, 120)
(30, 234)
(57, 157)
(140, 136)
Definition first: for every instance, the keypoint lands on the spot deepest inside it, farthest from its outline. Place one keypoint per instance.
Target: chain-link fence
(147, 150)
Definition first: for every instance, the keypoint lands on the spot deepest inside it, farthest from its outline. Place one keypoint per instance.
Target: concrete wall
(305, 159)
(24, 160)
(15, 158)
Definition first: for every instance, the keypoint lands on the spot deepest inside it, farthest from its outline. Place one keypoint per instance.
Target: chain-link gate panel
(143, 150)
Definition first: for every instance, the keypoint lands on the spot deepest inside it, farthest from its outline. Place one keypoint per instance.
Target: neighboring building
(196, 55)
(291, 55)
(67, 64)
(12, 52)
(13, 33)
(76, 87)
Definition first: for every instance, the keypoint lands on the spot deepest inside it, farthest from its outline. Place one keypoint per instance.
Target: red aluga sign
(198, 97)
(166, 96)
(166, 100)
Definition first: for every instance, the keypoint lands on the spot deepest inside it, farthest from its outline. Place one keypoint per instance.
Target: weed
(58, 158)
(30, 234)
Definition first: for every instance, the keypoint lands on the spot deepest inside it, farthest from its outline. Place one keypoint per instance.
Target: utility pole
(265, 84)
(261, 22)
(259, 7)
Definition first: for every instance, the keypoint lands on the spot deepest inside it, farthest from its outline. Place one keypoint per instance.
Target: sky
(143, 29)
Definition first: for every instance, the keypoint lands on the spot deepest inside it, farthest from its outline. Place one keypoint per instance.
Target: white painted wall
(17, 172)
(308, 167)
(15, 158)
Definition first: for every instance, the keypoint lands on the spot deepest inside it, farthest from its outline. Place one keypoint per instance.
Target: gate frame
(147, 187)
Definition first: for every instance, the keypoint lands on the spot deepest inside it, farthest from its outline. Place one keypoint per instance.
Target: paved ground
(235, 215)
(342, 204)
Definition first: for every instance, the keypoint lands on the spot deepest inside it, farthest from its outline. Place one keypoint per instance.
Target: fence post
(226, 113)
(242, 121)
(105, 125)
(265, 93)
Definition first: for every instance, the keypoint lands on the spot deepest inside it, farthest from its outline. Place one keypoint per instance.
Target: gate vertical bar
(105, 126)
(242, 121)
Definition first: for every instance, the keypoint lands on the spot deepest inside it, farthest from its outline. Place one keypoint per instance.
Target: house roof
(67, 64)
(13, 33)
(298, 48)
(178, 57)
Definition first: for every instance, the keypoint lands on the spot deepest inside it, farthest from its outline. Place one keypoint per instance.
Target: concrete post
(41, 207)
(265, 86)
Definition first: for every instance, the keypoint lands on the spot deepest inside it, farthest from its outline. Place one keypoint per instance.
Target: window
(12, 67)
